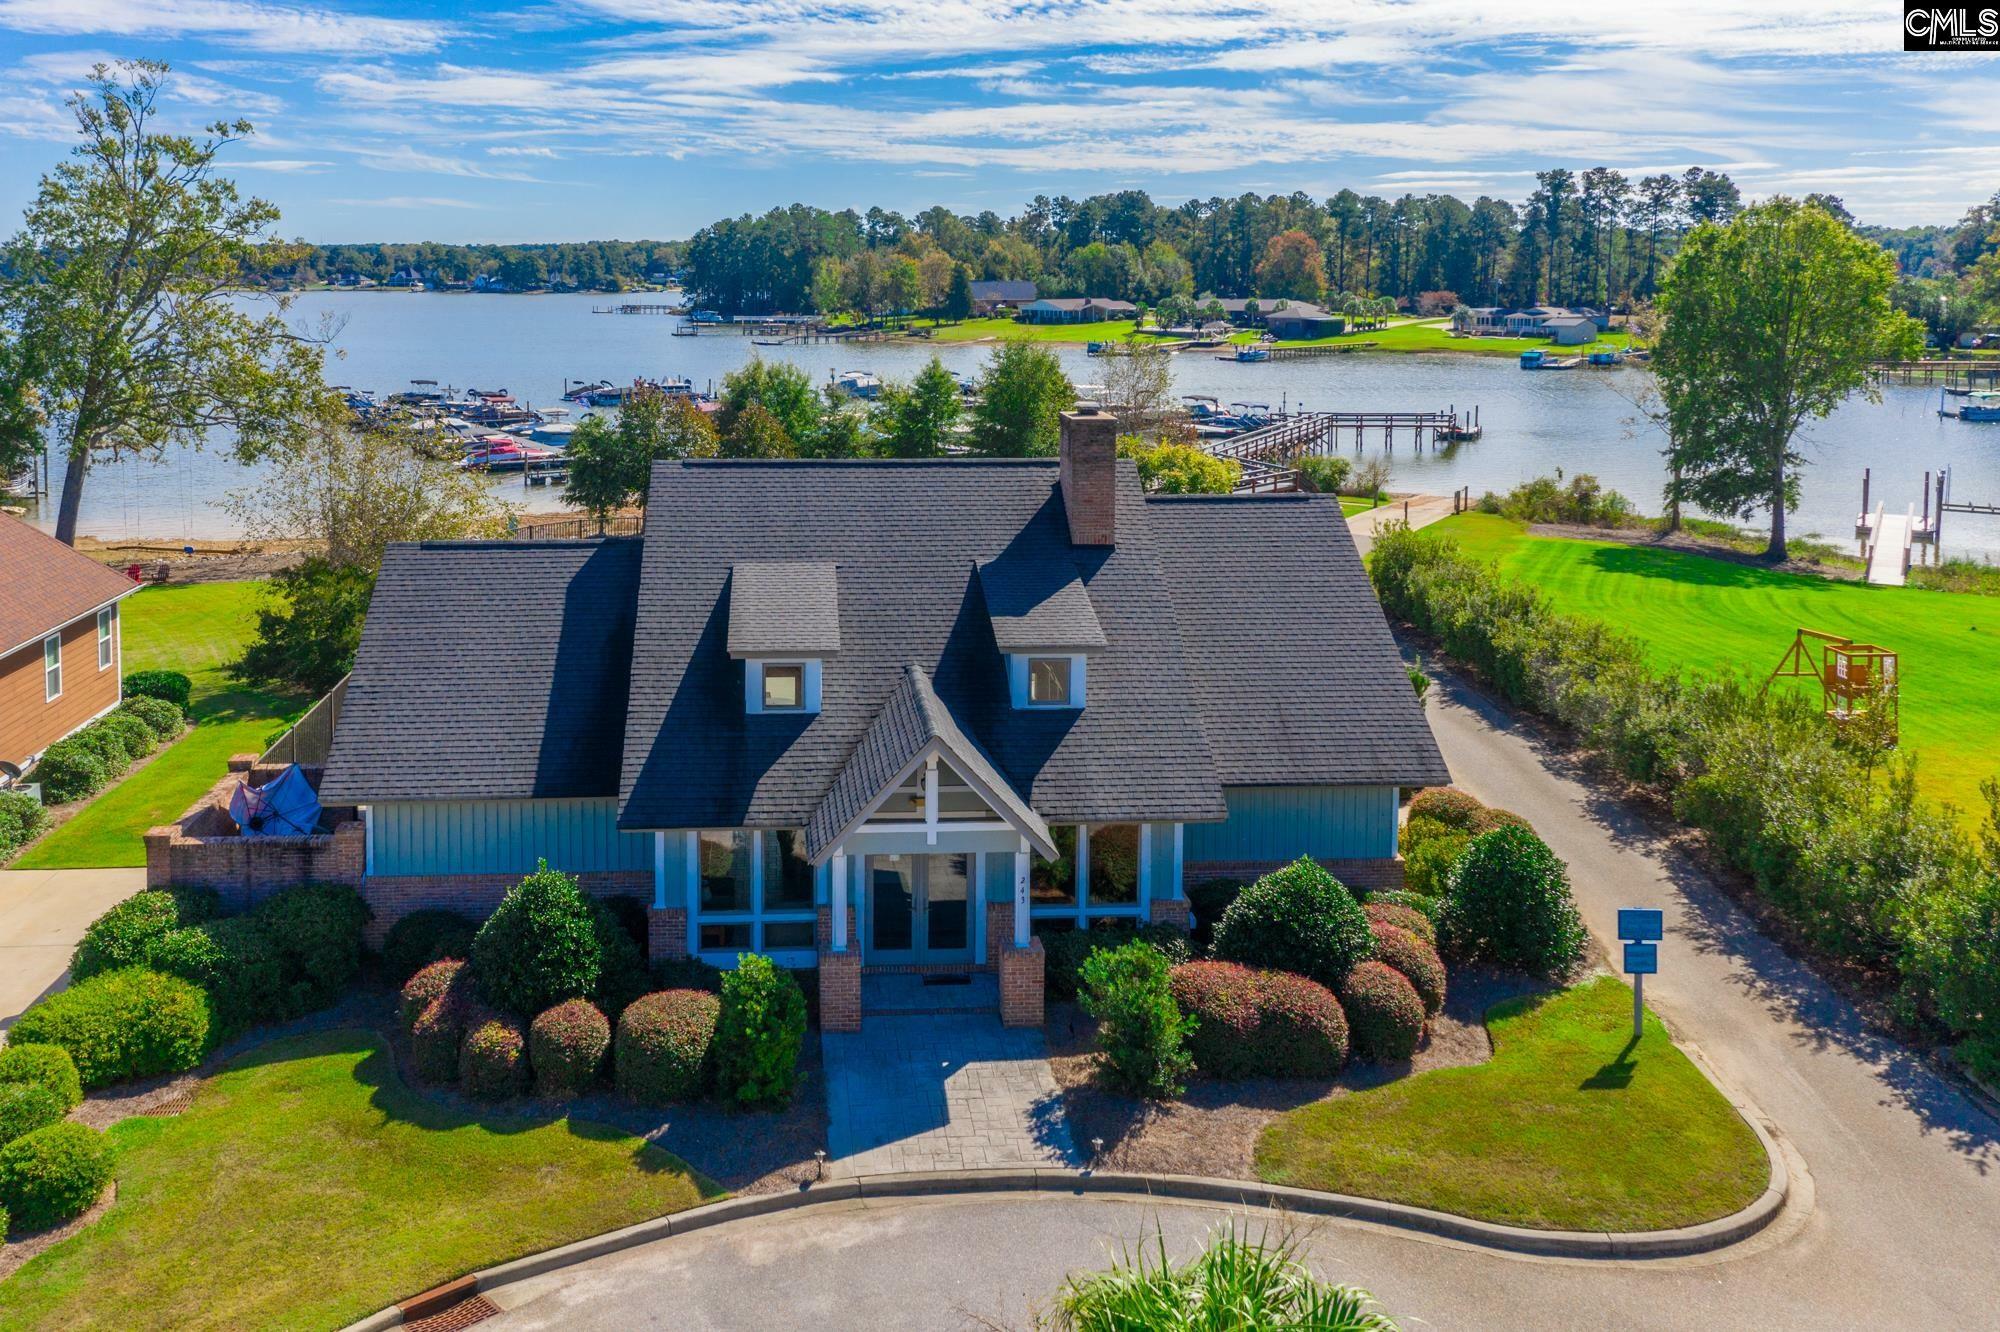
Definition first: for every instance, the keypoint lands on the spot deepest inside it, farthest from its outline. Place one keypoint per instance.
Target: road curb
(1704, 1238)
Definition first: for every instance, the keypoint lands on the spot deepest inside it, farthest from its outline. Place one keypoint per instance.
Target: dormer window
(784, 687)
(1049, 681)
(784, 621)
(780, 687)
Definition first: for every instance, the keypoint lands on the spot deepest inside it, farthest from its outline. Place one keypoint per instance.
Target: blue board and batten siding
(503, 837)
(1285, 822)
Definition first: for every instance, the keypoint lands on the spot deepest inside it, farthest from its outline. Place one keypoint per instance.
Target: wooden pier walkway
(1943, 371)
(1266, 454)
(1308, 353)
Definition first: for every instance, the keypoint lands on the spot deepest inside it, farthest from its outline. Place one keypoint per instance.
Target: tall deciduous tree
(914, 421)
(610, 464)
(1770, 322)
(1292, 267)
(1022, 397)
(116, 298)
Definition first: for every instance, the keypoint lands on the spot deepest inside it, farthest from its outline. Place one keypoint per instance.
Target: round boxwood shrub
(22, 819)
(493, 1061)
(1298, 919)
(759, 1032)
(1260, 1023)
(1445, 804)
(1384, 1013)
(53, 1174)
(1486, 820)
(315, 931)
(235, 961)
(124, 936)
(566, 1046)
(133, 1023)
(1427, 867)
(133, 735)
(1416, 960)
(665, 1049)
(423, 937)
(1402, 917)
(42, 1066)
(428, 984)
(1418, 831)
(172, 686)
(70, 770)
(164, 719)
(539, 947)
(108, 743)
(437, 1034)
(1509, 904)
(25, 1107)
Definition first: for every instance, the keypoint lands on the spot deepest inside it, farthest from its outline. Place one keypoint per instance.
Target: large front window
(1094, 877)
(755, 892)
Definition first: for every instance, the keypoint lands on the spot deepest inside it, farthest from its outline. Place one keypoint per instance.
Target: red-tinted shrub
(1403, 918)
(1416, 960)
(1383, 1012)
(439, 1031)
(1260, 1023)
(665, 1050)
(1486, 820)
(425, 986)
(1447, 804)
(566, 1045)
(493, 1062)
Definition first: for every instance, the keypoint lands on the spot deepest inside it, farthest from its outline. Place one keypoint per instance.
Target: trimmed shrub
(1446, 805)
(164, 719)
(686, 973)
(429, 984)
(539, 947)
(1384, 1013)
(27, 1106)
(172, 686)
(758, 1032)
(439, 1031)
(566, 1046)
(315, 930)
(132, 1023)
(423, 937)
(665, 1049)
(125, 935)
(70, 770)
(1427, 866)
(1486, 820)
(1260, 1024)
(1298, 919)
(1416, 961)
(1206, 902)
(1424, 905)
(22, 819)
(108, 743)
(493, 1061)
(42, 1066)
(1509, 905)
(1064, 953)
(1422, 829)
(133, 735)
(53, 1174)
(1400, 917)
(1141, 1031)
(621, 965)
(235, 961)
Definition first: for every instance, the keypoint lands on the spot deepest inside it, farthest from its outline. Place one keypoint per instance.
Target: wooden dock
(1945, 371)
(1308, 353)
(1266, 454)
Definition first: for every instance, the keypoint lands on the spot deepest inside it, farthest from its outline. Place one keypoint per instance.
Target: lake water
(1535, 424)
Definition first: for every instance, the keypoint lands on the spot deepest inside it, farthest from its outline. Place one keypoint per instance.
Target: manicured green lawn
(1434, 335)
(307, 1187)
(197, 629)
(1351, 505)
(1111, 330)
(1570, 1126)
(1697, 613)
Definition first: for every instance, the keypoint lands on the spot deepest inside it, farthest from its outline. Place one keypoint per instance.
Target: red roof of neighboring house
(46, 584)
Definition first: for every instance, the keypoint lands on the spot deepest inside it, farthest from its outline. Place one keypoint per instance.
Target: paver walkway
(941, 1091)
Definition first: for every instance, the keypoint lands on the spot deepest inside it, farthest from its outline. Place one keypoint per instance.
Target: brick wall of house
(30, 721)
(1022, 973)
(393, 897)
(666, 933)
(1175, 912)
(1374, 876)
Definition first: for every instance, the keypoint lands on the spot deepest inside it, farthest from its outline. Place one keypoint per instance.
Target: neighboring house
(1303, 319)
(991, 296)
(60, 658)
(1501, 321)
(1570, 330)
(1076, 310)
(884, 713)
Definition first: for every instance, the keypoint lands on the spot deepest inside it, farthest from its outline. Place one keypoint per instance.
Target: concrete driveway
(43, 914)
(1898, 1184)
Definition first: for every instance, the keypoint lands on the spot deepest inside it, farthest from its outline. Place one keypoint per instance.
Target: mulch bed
(1213, 1129)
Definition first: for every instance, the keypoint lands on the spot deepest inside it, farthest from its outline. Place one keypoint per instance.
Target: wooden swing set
(1859, 682)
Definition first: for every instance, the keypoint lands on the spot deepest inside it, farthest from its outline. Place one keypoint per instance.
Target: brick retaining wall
(203, 849)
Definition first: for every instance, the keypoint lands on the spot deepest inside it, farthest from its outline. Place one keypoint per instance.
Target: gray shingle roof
(911, 721)
(908, 538)
(487, 671)
(1039, 606)
(783, 606)
(1291, 658)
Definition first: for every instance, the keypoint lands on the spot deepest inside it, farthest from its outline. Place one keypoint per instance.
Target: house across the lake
(60, 658)
(1076, 310)
(878, 714)
(990, 297)
(1535, 321)
(1302, 319)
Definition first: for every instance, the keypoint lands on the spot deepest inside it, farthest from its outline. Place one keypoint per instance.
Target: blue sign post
(1642, 931)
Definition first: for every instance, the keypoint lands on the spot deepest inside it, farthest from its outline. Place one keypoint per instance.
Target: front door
(920, 908)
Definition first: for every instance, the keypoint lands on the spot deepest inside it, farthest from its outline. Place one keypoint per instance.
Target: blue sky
(579, 119)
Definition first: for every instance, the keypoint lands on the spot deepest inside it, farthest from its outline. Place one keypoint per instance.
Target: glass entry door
(919, 908)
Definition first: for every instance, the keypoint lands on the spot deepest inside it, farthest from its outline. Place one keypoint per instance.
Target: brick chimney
(1090, 476)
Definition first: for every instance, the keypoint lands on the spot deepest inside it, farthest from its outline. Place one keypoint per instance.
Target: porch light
(819, 1159)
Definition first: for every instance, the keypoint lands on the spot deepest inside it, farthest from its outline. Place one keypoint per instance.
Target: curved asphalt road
(1902, 1171)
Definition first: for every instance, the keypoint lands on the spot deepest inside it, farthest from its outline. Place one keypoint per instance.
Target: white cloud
(406, 201)
(239, 22)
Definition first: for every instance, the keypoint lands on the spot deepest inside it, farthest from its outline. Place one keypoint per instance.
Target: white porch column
(930, 800)
(839, 900)
(1021, 895)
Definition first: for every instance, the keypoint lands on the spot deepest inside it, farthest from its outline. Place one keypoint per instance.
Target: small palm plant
(1237, 1284)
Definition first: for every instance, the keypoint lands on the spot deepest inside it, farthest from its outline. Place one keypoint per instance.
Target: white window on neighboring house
(106, 618)
(52, 667)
